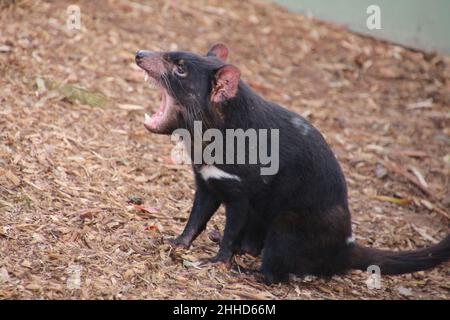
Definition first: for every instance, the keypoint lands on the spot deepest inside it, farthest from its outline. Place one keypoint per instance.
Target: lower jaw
(164, 127)
(160, 129)
(157, 131)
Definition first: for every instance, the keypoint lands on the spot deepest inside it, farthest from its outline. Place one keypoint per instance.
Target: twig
(411, 178)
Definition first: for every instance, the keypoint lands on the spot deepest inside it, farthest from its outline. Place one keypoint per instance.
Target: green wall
(421, 24)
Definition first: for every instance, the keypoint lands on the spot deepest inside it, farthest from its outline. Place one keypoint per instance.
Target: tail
(391, 262)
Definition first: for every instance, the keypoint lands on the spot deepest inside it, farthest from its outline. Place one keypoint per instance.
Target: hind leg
(287, 249)
(314, 245)
(278, 257)
(273, 270)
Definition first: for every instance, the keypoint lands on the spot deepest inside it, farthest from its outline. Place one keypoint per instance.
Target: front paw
(180, 242)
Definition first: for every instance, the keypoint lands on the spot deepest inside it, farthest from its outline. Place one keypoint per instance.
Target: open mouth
(161, 121)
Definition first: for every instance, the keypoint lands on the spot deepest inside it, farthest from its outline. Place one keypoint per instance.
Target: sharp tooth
(146, 76)
(147, 118)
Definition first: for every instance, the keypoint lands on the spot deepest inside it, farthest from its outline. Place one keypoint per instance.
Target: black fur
(298, 218)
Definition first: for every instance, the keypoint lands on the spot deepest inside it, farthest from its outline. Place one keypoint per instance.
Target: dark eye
(180, 70)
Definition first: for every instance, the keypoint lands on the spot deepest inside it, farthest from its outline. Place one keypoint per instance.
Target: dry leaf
(399, 201)
(150, 210)
(71, 135)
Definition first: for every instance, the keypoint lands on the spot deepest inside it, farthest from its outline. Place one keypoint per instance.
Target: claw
(216, 261)
(179, 243)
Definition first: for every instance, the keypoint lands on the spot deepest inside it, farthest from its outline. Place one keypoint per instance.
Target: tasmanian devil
(298, 216)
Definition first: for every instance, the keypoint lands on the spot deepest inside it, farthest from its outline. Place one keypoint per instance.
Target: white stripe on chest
(212, 172)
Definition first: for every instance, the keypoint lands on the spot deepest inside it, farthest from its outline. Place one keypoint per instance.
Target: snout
(151, 61)
(141, 54)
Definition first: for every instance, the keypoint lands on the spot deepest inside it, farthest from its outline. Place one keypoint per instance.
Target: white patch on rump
(350, 240)
(212, 172)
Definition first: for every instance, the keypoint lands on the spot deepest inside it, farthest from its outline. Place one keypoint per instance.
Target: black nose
(140, 55)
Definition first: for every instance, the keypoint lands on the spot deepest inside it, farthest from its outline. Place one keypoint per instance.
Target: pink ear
(220, 51)
(226, 83)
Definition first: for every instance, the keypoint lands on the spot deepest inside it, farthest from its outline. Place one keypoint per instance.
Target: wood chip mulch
(88, 197)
